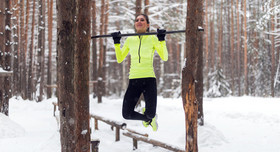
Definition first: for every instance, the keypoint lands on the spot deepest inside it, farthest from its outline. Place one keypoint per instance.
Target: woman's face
(141, 24)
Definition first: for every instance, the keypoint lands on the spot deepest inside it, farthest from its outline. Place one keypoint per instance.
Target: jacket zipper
(139, 49)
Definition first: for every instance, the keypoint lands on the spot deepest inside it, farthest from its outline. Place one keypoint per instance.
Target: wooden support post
(95, 124)
(117, 133)
(99, 91)
(54, 107)
(94, 145)
(117, 125)
(135, 145)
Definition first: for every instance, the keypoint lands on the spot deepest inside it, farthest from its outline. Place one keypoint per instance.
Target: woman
(141, 76)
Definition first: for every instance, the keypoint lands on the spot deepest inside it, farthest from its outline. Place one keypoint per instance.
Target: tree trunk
(50, 25)
(272, 52)
(94, 48)
(146, 10)
(220, 45)
(178, 56)
(101, 50)
(7, 58)
(255, 55)
(190, 103)
(16, 34)
(24, 47)
(2, 31)
(232, 49)
(41, 48)
(278, 48)
(21, 46)
(138, 7)
(246, 87)
(104, 47)
(238, 50)
(30, 73)
(199, 82)
(212, 37)
(206, 45)
(66, 30)
(81, 76)
(199, 72)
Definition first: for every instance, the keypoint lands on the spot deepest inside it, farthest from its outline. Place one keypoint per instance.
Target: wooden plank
(51, 86)
(138, 133)
(117, 125)
(151, 141)
(110, 122)
(6, 73)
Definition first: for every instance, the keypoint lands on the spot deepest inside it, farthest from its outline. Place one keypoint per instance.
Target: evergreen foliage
(219, 87)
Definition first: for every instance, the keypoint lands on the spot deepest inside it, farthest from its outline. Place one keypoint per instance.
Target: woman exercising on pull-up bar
(142, 78)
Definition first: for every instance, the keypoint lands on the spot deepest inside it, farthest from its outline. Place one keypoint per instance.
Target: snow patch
(84, 132)
(210, 136)
(9, 128)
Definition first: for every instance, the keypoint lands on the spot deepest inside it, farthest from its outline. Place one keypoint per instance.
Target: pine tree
(219, 87)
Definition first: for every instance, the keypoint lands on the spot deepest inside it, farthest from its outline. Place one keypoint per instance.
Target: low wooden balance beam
(117, 125)
(136, 138)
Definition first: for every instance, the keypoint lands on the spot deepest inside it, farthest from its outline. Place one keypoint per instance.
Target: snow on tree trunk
(16, 75)
(7, 58)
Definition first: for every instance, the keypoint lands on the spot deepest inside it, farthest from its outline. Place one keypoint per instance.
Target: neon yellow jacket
(142, 51)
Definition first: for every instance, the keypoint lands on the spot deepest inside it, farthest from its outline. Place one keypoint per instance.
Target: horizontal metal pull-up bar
(138, 34)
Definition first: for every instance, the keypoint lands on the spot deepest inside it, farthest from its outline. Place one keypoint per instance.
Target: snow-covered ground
(232, 124)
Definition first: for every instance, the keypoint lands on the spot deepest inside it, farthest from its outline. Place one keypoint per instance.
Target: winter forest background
(240, 49)
(44, 44)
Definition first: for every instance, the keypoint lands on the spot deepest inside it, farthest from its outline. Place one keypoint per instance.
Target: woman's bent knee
(126, 115)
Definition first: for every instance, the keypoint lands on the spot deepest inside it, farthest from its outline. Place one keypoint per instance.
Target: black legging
(148, 87)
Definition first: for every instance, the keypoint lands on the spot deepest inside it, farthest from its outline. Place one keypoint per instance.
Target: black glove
(116, 37)
(161, 34)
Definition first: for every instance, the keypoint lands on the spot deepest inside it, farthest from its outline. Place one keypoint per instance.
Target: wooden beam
(150, 141)
(6, 73)
(110, 122)
(117, 125)
(135, 132)
(51, 86)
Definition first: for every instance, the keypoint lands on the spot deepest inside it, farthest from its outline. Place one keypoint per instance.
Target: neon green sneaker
(154, 123)
(145, 124)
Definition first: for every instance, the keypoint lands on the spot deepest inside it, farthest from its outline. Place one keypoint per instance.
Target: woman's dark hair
(147, 19)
